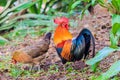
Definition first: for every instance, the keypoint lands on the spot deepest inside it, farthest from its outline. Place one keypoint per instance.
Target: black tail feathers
(88, 39)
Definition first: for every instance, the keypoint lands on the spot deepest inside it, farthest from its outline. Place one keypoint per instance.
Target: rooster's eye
(65, 25)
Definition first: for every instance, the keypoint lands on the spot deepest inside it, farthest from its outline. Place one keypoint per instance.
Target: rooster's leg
(85, 58)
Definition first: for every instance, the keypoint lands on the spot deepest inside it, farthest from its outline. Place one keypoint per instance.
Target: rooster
(69, 48)
(34, 53)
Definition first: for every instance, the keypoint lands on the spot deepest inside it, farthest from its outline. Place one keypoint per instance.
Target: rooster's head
(62, 21)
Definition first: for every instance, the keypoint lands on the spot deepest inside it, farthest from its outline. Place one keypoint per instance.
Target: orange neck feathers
(61, 34)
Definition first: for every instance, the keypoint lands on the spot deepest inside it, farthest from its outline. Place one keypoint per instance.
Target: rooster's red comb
(61, 20)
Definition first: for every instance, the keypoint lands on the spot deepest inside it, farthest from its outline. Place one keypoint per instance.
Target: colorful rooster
(69, 48)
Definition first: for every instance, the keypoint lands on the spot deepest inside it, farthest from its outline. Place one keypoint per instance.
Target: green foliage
(112, 5)
(114, 40)
(116, 29)
(3, 2)
(36, 8)
(53, 6)
(18, 8)
(15, 71)
(94, 66)
(115, 35)
(100, 55)
(112, 71)
(115, 18)
(27, 20)
(75, 4)
(4, 17)
(4, 63)
(89, 4)
(3, 41)
(106, 51)
(115, 32)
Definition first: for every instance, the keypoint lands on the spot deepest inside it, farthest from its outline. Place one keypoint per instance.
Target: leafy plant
(115, 32)
(11, 18)
(3, 41)
(5, 18)
(114, 7)
(112, 71)
(84, 6)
